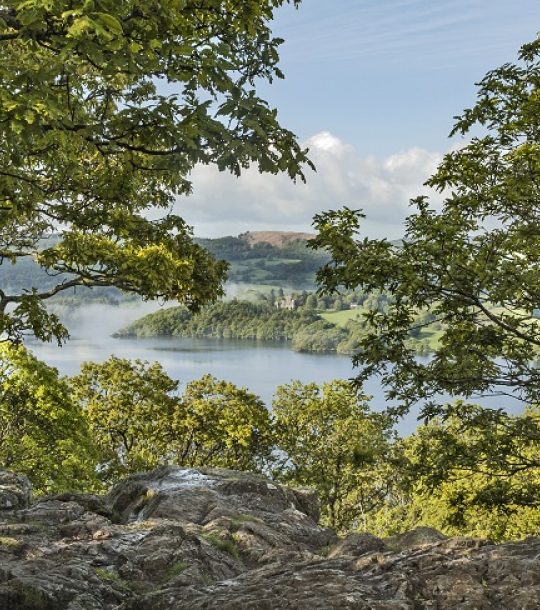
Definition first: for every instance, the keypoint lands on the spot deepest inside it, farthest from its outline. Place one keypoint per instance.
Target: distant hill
(271, 258)
(278, 239)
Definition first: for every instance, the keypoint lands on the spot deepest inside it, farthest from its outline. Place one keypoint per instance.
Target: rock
(357, 545)
(175, 539)
(308, 502)
(88, 525)
(268, 517)
(439, 576)
(90, 502)
(15, 491)
(51, 512)
(416, 537)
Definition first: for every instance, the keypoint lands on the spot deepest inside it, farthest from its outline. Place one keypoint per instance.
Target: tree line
(118, 417)
(228, 319)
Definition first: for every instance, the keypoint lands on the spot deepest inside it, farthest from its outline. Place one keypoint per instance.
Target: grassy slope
(340, 318)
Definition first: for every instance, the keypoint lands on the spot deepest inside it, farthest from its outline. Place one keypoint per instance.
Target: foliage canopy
(105, 108)
(329, 439)
(473, 262)
(473, 472)
(219, 424)
(138, 420)
(43, 432)
(128, 405)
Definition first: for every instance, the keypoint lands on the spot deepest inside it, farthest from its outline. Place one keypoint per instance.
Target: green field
(340, 318)
(428, 339)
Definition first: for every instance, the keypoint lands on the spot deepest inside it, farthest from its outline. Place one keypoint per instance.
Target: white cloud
(222, 204)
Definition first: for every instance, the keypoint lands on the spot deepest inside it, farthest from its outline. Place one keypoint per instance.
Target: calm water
(259, 366)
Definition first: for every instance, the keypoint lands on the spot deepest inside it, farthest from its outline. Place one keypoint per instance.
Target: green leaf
(111, 22)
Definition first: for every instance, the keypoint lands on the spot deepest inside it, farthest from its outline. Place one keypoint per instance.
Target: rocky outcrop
(214, 539)
(15, 490)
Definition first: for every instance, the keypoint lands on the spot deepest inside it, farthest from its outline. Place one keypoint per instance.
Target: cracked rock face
(15, 490)
(215, 539)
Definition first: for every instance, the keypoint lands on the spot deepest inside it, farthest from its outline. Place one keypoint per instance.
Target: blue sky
(371, 86)
(389, 74)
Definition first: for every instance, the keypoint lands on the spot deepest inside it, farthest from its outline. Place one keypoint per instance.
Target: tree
(318, 336)
(473, 263)
(139, 421)
(129, 405)
(105, 108)
(328, 439)
(339, 304)
(476, 472)
(311, 302)
(43, 433)
(218, 424)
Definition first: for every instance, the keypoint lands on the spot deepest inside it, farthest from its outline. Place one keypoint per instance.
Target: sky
(371, 87)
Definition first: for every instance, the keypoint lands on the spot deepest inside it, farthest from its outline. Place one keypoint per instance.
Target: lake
(261, 367)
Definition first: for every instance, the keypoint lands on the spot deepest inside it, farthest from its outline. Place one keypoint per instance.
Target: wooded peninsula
(308, 326)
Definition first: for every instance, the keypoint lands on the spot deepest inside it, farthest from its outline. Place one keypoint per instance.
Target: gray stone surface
(15, 491)
(215, 539)
(358, 544)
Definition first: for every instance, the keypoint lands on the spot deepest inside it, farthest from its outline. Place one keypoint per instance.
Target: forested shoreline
(304, 328)
(241, 320)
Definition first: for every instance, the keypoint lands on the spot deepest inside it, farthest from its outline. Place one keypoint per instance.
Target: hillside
(278, 239)
(224, 540)
(267, 259)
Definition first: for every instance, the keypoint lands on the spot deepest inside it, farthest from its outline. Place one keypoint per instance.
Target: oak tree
(472, 263)
(138, 419)
(105, 108)
(474, 472)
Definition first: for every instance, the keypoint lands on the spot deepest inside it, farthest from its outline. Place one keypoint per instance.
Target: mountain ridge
(278, 239)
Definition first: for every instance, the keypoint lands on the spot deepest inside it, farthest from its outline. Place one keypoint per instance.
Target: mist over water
(259, 366)
(84, 322)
